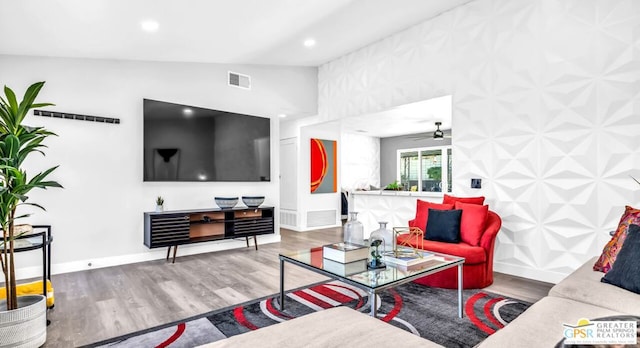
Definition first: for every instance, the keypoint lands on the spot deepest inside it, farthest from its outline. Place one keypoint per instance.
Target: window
(423, 170)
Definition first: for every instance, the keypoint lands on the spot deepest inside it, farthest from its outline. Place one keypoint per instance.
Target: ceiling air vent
(239, 80)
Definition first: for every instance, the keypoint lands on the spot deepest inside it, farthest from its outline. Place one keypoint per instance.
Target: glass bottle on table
(353, 230)
(376, 246)
(387, 236)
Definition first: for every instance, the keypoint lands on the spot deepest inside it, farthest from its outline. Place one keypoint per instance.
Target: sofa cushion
(422, 212)
(584, 285)
(472, 222)
(611, 249)
(472, 254)
(625, 272)
(471, 200)
(443, 225)
(335, 327)
(541, 324)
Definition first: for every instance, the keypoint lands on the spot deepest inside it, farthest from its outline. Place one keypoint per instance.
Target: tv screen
(188, 143)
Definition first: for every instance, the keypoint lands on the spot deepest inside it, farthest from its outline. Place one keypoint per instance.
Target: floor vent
(239, 80)
(289, 218)
(321, 218)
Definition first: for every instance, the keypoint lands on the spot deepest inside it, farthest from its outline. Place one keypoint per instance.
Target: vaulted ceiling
(219, 31)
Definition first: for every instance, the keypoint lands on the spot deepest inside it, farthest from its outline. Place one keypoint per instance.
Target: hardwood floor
(102, 303)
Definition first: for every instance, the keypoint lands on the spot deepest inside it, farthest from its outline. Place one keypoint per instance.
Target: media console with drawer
(173, 228)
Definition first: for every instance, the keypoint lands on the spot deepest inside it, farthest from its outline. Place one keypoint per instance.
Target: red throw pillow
(610, 252)
(470, 200)
(422, 212)
(473, 221)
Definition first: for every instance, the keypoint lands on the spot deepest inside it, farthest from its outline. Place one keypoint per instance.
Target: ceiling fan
(438, 134)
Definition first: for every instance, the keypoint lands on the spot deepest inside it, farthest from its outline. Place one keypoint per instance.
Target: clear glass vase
(387, 236)
(377, 245)
(353, 230)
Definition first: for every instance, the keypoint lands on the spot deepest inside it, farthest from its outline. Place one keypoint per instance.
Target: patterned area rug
(427, 312)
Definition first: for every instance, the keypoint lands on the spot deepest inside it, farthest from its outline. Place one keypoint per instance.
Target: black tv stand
(174, 228)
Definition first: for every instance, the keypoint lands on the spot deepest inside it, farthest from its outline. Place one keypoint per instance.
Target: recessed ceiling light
(149, 25)
(310, 42)
(187, 112)
(282, 115)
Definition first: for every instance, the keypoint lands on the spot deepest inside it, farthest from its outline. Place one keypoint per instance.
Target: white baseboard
(536, 274)
(152, 254)
(289, 227)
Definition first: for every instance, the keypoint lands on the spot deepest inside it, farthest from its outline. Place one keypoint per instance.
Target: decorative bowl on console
(252, 201)
(226, 202)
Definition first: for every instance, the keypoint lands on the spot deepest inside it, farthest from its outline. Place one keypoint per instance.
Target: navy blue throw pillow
(625, 272)
(443, 225)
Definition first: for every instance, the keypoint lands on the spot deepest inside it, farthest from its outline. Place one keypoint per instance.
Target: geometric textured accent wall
(359, 162)
(546, 110)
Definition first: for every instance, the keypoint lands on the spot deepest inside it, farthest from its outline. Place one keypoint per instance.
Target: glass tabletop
(357, 271)
(31, 241)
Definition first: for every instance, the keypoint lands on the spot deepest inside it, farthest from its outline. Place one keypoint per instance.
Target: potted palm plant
(17, 142)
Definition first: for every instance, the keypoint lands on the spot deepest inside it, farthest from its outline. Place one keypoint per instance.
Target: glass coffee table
(371, 281)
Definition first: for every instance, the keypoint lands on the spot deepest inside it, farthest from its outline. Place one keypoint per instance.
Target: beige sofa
(335, 327)
(580, 295)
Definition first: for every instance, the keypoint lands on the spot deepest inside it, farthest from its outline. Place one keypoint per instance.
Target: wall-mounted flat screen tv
(188, 143)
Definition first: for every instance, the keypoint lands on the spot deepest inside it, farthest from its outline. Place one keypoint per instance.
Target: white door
(289, 174)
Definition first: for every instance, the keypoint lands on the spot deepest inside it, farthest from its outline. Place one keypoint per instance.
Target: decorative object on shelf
(377, 245)
(226, 202)
(324, 167)
(344, 252)
(252, 201)
(70, 116)
(353, 230)
(387, 236)
(414, 232)
(21, 229)
(17, 142)
(159, 204)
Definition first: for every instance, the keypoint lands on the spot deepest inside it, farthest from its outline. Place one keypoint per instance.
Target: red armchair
(478, 265)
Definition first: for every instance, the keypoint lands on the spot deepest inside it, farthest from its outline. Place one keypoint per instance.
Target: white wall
(98, 217)
(360, 162)
(546, 110)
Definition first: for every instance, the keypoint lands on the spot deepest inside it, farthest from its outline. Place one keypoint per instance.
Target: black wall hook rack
(70, 116)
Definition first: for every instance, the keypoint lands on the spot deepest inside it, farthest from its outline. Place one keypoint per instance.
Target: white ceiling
(217, 31)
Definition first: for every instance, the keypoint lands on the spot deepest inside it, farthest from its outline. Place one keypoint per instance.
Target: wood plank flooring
(102, 303)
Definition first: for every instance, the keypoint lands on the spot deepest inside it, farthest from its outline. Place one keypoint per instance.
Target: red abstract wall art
(324, 178)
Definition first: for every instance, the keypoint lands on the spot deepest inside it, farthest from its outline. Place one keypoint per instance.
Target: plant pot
(26, 326)
(159, 208)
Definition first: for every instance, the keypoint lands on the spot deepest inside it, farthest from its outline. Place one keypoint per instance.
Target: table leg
(281, 284)
(175, 250)
(460, 314)
(374, 302)
(255, 242)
